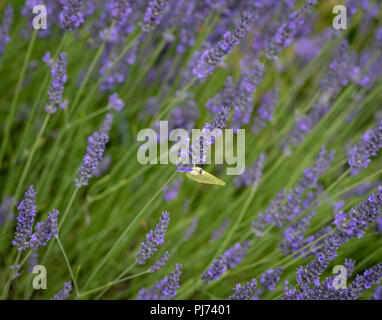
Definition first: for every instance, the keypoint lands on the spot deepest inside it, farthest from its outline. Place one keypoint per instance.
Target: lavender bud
(160, 263)
(164, 289)
(153, 239)
(59, 77)
(5, 28)
(45, 231)
(153, 15)
(72, 15)
(245, 292)
(27, 211)
(115, 103)
(270, 278)
(64, 292)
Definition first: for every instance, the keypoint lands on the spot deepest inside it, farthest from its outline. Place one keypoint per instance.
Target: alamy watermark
(198, 146)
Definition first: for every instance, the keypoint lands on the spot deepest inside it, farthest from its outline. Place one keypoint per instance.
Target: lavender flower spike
(64, 292)
(252, 175)
(72, 15)
(5, 27)
(59, 77)
(96, 147)
(163, 290)
(246, 292)
(210, 58)
(371, 142)
(217, 268)
(115, 103)
(153, 15)
(25, 219)
(153, 239)
(160, 263)
(45, 231)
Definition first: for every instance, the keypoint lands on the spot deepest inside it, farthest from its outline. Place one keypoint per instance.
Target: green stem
(12, 274)
(16, 98)
(68, 265)
(126, 231)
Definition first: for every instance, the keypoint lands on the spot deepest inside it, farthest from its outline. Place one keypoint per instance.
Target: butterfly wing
(202, 176)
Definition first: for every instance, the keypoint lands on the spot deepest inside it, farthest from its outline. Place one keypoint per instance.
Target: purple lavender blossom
(59, 77)
(217, 268)
(33, 261)
(258, 225)
(153, 15)
(359, 156)
(210, 58)
(164, 289)
(378, 293)
(115, 103)
(245, 292)
(27, 211)
(5, 28)
(103, 166)
(338, 75)
(96, 147)
(196, 153)
(187, 235)
(5, 209)
(293, 206)
(303, 127)
(64, 293)
(72, 15)
(270, 278)
(361, 190)
(284, 35)
(252, 176)
(160, 263)
(44, 231)
(170, 192)
(236, 253)
(245, 87)
(153, 239)
(220, 230)
(266, 110)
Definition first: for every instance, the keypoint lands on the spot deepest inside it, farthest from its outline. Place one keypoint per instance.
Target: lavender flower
(210, 58)
(59, 77)
(292, 208)
(164, 289)
(64, 292)
(243, 99)
(72, 15)
(371, 142)
(363, 282)
(153, 239)
(196, 153)
(216, 269)
(5, 209)
(252, 175)
(45, 231)
(115, 103)
(33, 261)
(270, 278)
(303, 127)
(236, 253)
(265, 112)
(191, 229)
(378, 293)
(27, 211)
(219, 231)
(160, 263)
(96, 147)
(170, 192)
(153, 15)
(258, 225)
(245, 292)
(284, 35)
(338, 75)
(5, 28)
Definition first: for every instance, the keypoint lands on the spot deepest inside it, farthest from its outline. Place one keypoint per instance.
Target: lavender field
(92, 94)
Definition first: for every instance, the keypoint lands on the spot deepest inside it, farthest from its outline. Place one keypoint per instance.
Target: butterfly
(202, 176)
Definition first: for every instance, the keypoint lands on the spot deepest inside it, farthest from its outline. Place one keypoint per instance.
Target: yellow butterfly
(202, 176)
